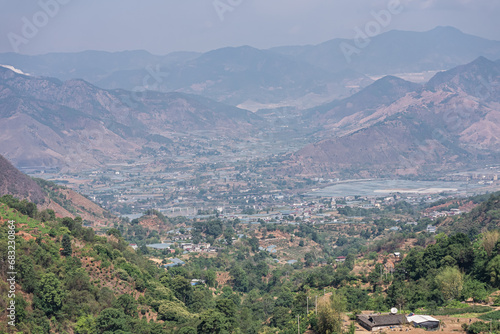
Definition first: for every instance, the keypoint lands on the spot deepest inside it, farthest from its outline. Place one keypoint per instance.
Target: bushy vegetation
(495, 315)
(463, 310)
(76, 281)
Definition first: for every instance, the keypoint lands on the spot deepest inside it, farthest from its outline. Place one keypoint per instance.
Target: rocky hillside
(382, 92)
(68, 203)
(46, 122)
(451, 122)
(47, 195)
(13, 182)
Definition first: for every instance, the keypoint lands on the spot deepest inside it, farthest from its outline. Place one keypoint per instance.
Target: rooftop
(371, 321)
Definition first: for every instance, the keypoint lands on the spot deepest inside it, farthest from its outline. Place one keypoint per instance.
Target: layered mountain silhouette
(130, 101)
(47, 122)
(396, 51)
(242, 75)
(300, 76)
(90, 66)
(234, 75)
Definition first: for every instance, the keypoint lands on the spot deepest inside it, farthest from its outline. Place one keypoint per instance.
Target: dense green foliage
(78, 281)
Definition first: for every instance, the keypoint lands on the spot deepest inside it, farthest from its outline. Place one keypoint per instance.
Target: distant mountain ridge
(90, 65)
(49, 122)
(233, 75)
(298, 76)
(46, 122)
(397, 51)
(239, 75)
(451, 122)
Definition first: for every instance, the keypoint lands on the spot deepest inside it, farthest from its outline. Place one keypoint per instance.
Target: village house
(378, 322)
(423, 321)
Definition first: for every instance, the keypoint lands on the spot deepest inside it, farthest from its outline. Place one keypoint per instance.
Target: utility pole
(316, 304)
(307, 304)
(298, 325)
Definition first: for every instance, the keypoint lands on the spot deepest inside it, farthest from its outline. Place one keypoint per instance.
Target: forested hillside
(70, 280)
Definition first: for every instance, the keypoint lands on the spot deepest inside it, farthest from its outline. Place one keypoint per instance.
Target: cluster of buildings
(437, 214)
(199, 248)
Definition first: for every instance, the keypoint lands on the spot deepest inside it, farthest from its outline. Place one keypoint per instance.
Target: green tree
(350, 261)
(240, 278)
(27, 273)
(227, 307)
(330, 315)
(69, 223)
(202, 300)
(228, 235)
(285, 298)
(210, 277)
(254, 243)
(50, 294)
(66, 245)
(114, 232)
(213, 322)
(21, 304)
(140, 285)
(281, 317)
(172, 311)
(474, 289)
(127, 303)
(182, 288)
(187, 330)
(489, 240)
(111, 320)
(310, 259)
(450, 282)
(85, 325)
(493, 269)
(78, 279)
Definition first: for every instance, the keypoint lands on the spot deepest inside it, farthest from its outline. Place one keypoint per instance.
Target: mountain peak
(482, 61)
(390, 78)
(388, 85)
(470, 78)
(446, 29)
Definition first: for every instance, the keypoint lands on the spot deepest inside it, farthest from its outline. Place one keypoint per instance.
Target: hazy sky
(163, 26)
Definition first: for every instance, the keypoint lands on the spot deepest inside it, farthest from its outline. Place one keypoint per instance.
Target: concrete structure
(160, 246)
(431, 229)
(423, 321)
(175, 262)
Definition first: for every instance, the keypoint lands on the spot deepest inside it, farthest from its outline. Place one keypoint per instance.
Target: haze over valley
(76, 117)
(252, 167)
